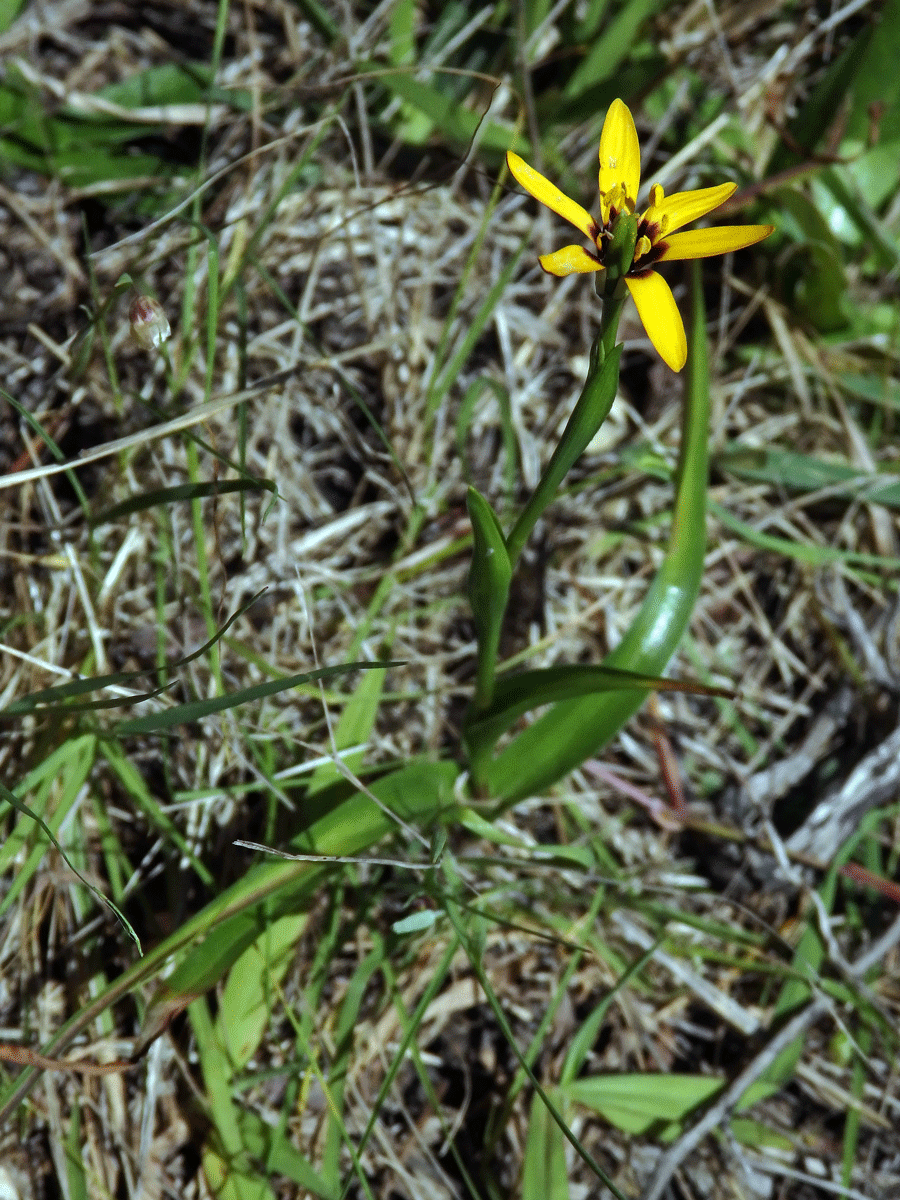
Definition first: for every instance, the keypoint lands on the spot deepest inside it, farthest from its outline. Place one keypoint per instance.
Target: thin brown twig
(23, 1056)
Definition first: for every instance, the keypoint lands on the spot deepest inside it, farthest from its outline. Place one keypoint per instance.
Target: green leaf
(206, 945)
(590, 18)
(56, 700)
(321, 19)
(805, 473)
(251, 990)
(464, 418)
(457, 123)
(9, 10)
(871, 172)
(544, 1174)
(402, 28)
(760, 1136)
(515, 695)
(876, 81)
(816, 556)
(812, 276)
(180, 493)
(824, 102)
(850, 205)
(877, 388)
(344, 1044)
(421, 792)
(268, 1144)
(229, 1173)
(475, 327)
(140, 795)
(196, 710)
(643, 1104)
(611, 48)
(167, 83)
(72, 762)
(75, 1157)
(353, 729)
(489, 579)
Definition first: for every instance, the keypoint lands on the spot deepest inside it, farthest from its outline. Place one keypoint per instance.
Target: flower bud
(149, 323)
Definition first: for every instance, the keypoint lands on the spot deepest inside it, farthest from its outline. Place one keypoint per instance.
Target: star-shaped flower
(657, 239)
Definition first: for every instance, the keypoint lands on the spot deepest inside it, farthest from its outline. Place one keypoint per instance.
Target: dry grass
(343, 279)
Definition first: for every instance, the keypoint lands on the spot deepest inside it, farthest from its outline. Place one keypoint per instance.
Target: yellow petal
(620, 154)
(683, 207)
(571, 260)
(660, 317)
(547, 193)
(704, 243)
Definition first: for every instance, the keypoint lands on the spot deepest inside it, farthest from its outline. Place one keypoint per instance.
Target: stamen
(642, 247)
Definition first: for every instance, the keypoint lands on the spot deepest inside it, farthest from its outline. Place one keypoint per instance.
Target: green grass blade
(180, 493)
(611, 48)
(475, 958)
(76, 1174)
(826, 99)
(78, 762)
(804, 552)
(444, 112)
(336, 1135)
(449, 375)
(420, 792)
(227, 1167)
(9, 10)
(544, 1174)
(183, 714)
(135, 787)
(353, 729)
(464, 419)
(55, 701)
(272, 1147)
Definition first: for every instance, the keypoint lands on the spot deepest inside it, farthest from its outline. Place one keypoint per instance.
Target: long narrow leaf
(516, 695)
(195, 710)
(183, 491)
(51, 699)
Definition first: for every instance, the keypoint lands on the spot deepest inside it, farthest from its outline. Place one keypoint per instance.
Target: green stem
(590, 411)
(486, 672)
(609, 321)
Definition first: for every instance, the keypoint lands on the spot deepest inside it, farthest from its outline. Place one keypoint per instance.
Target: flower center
(614, 202)
(618, 251)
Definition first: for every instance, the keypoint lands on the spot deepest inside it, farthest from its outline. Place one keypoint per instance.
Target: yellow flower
(657, 241)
